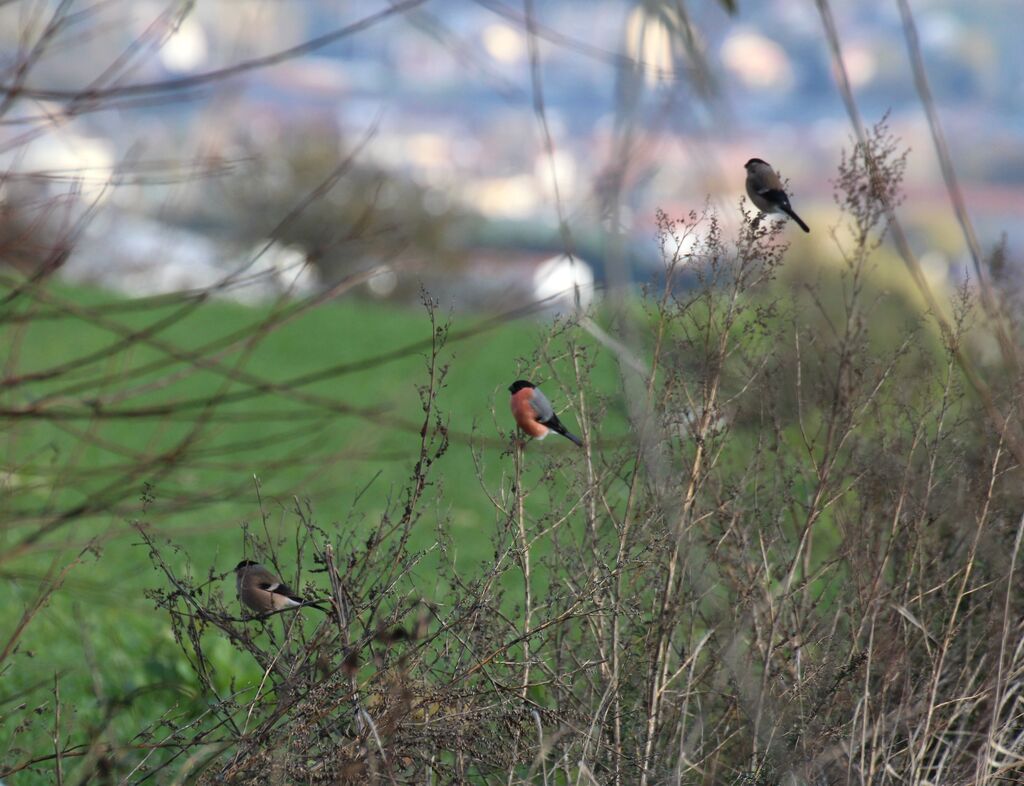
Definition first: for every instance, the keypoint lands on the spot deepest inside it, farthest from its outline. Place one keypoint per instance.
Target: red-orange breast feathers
(525, 414)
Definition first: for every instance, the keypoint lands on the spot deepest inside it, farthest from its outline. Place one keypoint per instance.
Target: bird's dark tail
(556, 425)
(573, 438)
(792, 214)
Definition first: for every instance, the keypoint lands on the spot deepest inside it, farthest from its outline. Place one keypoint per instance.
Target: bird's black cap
(754, 161)
(244, 564)
(518, 385)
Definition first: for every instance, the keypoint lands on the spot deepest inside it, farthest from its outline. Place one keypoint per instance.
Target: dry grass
(802, 569)
(799, 566)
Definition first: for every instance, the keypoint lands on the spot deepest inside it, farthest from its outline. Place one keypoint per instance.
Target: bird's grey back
(541, 406)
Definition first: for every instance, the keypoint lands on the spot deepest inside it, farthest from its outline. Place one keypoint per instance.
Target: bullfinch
(534, 413)
(765, 190)
(263, 592)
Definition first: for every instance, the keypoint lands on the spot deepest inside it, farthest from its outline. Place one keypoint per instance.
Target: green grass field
(292, 447)
(100, 636)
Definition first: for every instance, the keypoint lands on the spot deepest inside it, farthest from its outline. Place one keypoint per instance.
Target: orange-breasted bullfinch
(765, 190)
(534, 413)
(263, 592)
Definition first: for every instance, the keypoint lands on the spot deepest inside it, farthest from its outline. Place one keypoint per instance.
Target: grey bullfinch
(263, 592)
(534, 413)
(765, 190)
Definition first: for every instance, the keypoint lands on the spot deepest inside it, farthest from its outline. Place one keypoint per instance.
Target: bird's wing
(775, 195)
(541, 406)
(279, 588)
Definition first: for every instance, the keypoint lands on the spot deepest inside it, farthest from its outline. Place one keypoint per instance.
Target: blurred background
(473, 156)
(218, 220)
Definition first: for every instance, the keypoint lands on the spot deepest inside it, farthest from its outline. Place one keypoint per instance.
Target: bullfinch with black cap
(263, 592)
(765, 190)
(534, 413)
